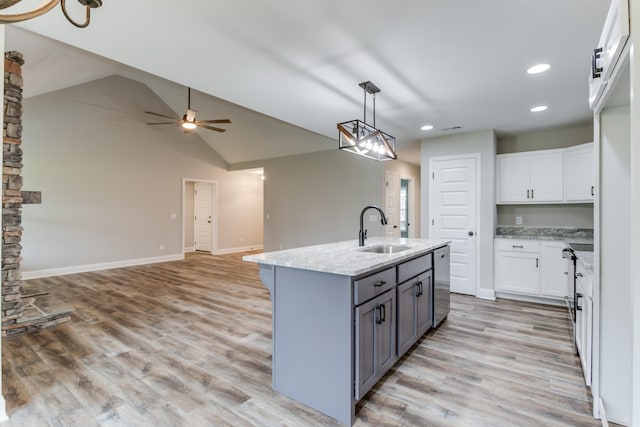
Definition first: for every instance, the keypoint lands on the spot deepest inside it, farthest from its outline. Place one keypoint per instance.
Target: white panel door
(454, 217)
(391, 206)
(203, 216)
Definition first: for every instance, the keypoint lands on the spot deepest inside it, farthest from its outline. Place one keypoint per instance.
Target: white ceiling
(445, 63)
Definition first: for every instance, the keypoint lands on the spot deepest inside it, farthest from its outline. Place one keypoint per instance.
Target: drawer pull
(380, 283)
(517, 246)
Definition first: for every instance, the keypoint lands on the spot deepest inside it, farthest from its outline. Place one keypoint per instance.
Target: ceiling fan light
(189, 125)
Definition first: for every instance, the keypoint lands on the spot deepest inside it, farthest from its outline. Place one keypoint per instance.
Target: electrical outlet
(518, 220)
(173, 216)
(161, 247)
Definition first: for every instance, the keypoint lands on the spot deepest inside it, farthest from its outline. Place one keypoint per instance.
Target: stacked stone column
(12, 305)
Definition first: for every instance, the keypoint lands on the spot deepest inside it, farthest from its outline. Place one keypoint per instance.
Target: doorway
(199, 207)
(404, 208)
(454, 215)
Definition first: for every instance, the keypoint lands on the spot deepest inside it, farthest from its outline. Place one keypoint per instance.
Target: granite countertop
(569, 234)
(343, 257)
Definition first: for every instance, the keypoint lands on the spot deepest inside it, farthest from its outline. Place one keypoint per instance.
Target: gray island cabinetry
(343, 315)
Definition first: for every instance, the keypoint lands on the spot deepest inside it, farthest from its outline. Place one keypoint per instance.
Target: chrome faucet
(363, 233)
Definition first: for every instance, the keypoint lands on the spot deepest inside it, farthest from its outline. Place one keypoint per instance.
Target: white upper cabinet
(546, 176)
(533, 177)
(516, 173)
(605, 56)
(579, 173)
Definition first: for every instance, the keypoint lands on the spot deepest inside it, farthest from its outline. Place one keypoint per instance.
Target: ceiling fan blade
(161, 115)
(215, 121)
(163, 123)
(210, 127)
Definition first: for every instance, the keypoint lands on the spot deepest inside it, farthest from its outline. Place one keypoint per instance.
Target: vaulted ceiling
(445, 63)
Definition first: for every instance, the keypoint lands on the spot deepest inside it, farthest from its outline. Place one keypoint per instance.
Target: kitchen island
(343, 315)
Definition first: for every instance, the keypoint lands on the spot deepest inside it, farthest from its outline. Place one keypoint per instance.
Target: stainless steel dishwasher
(441, 284)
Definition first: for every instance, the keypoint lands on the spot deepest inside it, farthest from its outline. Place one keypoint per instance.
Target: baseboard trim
(603, 414)
(488, 294)
(190, 249)
(527, 298)
(3, 409)
(240, 249)
(37, 274)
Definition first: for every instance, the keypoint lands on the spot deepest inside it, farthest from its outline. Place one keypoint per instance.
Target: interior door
(203, 216)
(392, 203)
(453, 213)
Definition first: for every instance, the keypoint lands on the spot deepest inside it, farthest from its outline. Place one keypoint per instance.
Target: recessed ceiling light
(539, 68)
(426, 127)
(538, 108)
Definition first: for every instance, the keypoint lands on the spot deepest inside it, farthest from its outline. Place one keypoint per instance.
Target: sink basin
(384, 249)
(587, 247)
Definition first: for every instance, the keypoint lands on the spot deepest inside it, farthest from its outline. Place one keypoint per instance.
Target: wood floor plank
(188, 343)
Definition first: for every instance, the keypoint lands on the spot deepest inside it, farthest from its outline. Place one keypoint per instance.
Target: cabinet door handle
(379, 314)
(380, 283)
(528, 193)
(383, 311)
(578, 296)
(418, 288)
(537, 262)
(532, 194)
(592, 190)
(595, 70)
(517, 246)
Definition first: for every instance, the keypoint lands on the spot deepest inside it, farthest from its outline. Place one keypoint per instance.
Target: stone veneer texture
(20, 313)
(12, 305)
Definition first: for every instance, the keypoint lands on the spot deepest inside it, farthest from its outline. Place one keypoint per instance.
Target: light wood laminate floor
(188, 343)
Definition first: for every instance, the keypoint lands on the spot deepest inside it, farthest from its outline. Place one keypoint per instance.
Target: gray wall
(579, 215)
(566, 136)
(317, 198)
(483, 142)
(110, 183)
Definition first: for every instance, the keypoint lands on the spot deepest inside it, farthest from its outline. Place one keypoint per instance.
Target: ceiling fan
(188, 121)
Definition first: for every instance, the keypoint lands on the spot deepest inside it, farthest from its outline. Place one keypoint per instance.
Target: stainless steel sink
(587, 247)
(384, 249)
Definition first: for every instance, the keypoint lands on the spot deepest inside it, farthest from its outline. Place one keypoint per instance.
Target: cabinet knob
(471, 233)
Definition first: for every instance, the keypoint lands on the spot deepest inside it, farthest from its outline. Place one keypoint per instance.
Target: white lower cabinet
(531, 267)
(584, 320)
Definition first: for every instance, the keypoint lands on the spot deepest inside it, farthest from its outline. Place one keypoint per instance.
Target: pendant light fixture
(360, 138)
(45, 7)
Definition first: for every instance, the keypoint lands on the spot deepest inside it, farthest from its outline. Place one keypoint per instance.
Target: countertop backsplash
(545, 233)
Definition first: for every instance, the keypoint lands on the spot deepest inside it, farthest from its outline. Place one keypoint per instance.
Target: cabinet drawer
(412, 268)
(368, 287)
(585, 277)
(517, 245)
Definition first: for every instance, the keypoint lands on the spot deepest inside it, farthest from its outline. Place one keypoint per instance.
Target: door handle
(578, 296)
(595, 70)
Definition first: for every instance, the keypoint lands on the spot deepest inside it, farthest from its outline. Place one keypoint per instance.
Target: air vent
(452, 128)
